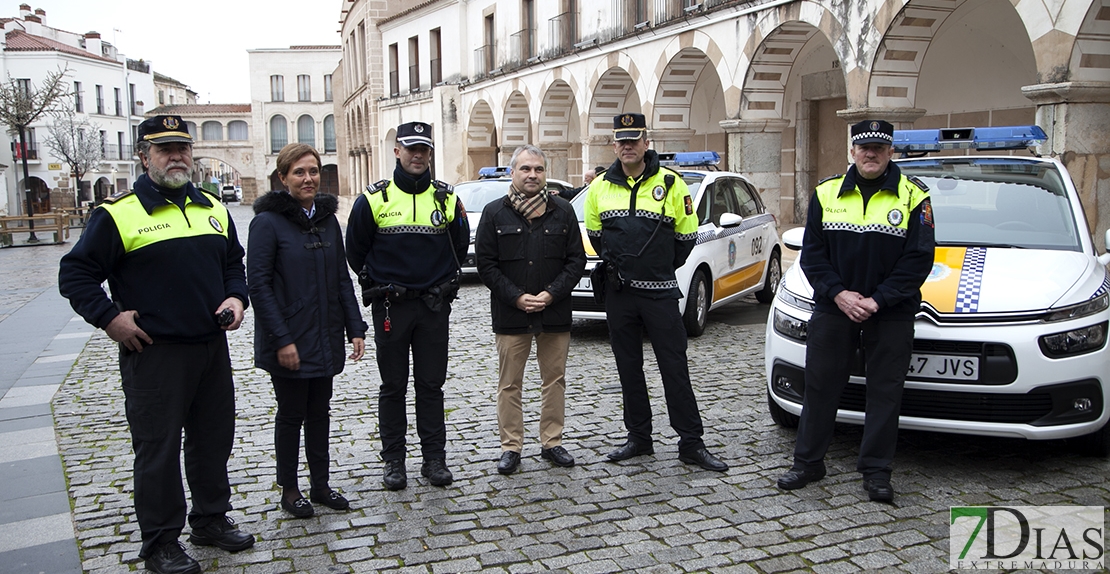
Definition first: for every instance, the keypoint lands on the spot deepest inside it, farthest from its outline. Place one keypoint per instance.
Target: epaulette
(914, 180)
(379, 186)
(830, 178)
(117, 197)
(443, 186)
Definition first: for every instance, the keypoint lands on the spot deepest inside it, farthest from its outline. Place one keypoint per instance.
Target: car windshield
(997, 202)
(693, 181)
(476, 194)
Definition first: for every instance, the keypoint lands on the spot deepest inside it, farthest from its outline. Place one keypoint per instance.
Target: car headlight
(1074, 342)
(790, 327)
(795, 301)
(1081, 310)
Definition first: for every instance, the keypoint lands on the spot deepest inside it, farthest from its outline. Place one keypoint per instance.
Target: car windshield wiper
(977, 244)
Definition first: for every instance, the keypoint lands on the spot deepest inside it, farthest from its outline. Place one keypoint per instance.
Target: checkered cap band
(873, 135)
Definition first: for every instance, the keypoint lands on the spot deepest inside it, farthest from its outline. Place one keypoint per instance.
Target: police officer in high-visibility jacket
(640, 221)
(406, 237)
(868, 248)
(174, 266)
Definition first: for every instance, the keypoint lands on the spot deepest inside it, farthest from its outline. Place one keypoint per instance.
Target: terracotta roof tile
(200, 109)
(20, 41)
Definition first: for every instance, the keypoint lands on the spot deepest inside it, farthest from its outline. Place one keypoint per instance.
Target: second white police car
(1011, 336)
(737, 252)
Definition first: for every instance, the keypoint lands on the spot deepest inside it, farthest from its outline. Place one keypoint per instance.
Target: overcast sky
(200, 43)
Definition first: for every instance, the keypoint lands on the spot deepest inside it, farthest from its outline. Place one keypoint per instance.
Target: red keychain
(387, 324)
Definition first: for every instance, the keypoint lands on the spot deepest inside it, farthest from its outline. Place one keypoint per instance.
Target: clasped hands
(857, 307)
(533, 303)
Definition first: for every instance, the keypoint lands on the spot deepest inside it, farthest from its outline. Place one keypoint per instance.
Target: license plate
(584, 284)
(954, 367)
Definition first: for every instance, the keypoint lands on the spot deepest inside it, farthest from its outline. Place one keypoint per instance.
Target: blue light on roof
(988, 138)
(690, 158)
(493, 171)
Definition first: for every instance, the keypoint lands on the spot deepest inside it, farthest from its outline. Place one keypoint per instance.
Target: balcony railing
(394, 84)
(137, 109)
(100, 105)
(522, 46)
(30, 150)
(119, 108)
(563, 30)
(414, 78)
(116, 152)
(483, 60)
(437, 71)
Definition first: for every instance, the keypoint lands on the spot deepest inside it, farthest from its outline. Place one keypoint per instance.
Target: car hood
(998, 280)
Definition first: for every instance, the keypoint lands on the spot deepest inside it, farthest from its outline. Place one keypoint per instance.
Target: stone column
(597, 150)
(670, 140)
(558, 158)
(1076, 118)
(755, 150)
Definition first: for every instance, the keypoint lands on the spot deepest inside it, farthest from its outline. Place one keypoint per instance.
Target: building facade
(108, 90)
(170, 92)
(770, 84)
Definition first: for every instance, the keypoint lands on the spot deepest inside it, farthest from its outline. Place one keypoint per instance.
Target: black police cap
(164, 129)
(629, 127)
(415, 133)
(873, 132)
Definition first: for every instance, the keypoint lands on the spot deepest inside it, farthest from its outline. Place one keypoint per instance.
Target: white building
(292, 101)
(170, 92)
(109, 90)
(770, 84)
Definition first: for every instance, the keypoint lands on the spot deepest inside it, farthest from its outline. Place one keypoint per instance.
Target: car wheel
(1094, 444)
(697, 305)
(781, 416)
(774, 276)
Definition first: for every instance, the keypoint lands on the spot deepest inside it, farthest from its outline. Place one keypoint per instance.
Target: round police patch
(437, 218)
(658, 193)
(731, 254)
(894, 217)
(215, 223)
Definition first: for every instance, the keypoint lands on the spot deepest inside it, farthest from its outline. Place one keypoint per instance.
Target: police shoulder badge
(894, 217)
(215, 223)
(927, 213)
(659, 193)
(689, 205)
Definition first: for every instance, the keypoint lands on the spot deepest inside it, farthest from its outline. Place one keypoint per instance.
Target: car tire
(774, 276)
(781, 416)
(1096, 444)
(697, 305)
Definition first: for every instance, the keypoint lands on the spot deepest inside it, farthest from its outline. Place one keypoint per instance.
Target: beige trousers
(512, 354)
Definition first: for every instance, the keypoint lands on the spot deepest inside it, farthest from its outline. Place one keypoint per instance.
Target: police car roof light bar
(986, 138)
(490, 172)
(690, 158)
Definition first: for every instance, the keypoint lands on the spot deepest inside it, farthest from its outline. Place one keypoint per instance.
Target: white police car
(1011, 336)
(493, 183)
(737, 251)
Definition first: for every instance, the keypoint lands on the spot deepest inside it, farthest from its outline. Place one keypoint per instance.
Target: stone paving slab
(650, 514)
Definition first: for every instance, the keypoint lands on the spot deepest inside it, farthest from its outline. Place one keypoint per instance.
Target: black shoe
(221, 533)
(394, 477)
(557, 455)
(879, 489)
(509, 462)
(170, 558)
(300, 508)
(702, 458)
(796, 478)
(331, 499)
(435, 470)
(629, 450)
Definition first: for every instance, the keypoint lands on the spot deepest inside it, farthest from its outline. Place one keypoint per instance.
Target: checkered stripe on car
(653, 284)
(748, 223)
(971, 280)
(413, 229)
(855, 228)
(1104, 288)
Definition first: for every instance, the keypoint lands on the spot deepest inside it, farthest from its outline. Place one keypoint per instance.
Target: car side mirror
(730, 220)
(1104, 259)
(792, 238)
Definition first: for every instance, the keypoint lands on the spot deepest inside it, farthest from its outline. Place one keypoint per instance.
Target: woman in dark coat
(303, 300)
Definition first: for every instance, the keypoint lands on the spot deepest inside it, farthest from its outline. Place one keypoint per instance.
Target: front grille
(586, 304)
(950, 405)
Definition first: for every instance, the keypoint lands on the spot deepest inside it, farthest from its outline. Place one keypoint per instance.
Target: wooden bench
(53, 223)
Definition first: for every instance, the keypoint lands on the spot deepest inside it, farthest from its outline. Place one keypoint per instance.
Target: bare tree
(75, 141)
(22, 104)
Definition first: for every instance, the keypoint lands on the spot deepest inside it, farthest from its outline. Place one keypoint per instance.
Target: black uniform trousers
(831, 347)
(412, 325)
(169, 387)
(302, 402)
(629, 315)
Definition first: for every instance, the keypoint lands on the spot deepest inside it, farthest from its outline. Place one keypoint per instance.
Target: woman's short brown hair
(291, 154)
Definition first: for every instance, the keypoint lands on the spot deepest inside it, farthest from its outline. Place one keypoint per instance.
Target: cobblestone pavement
(651, 514)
